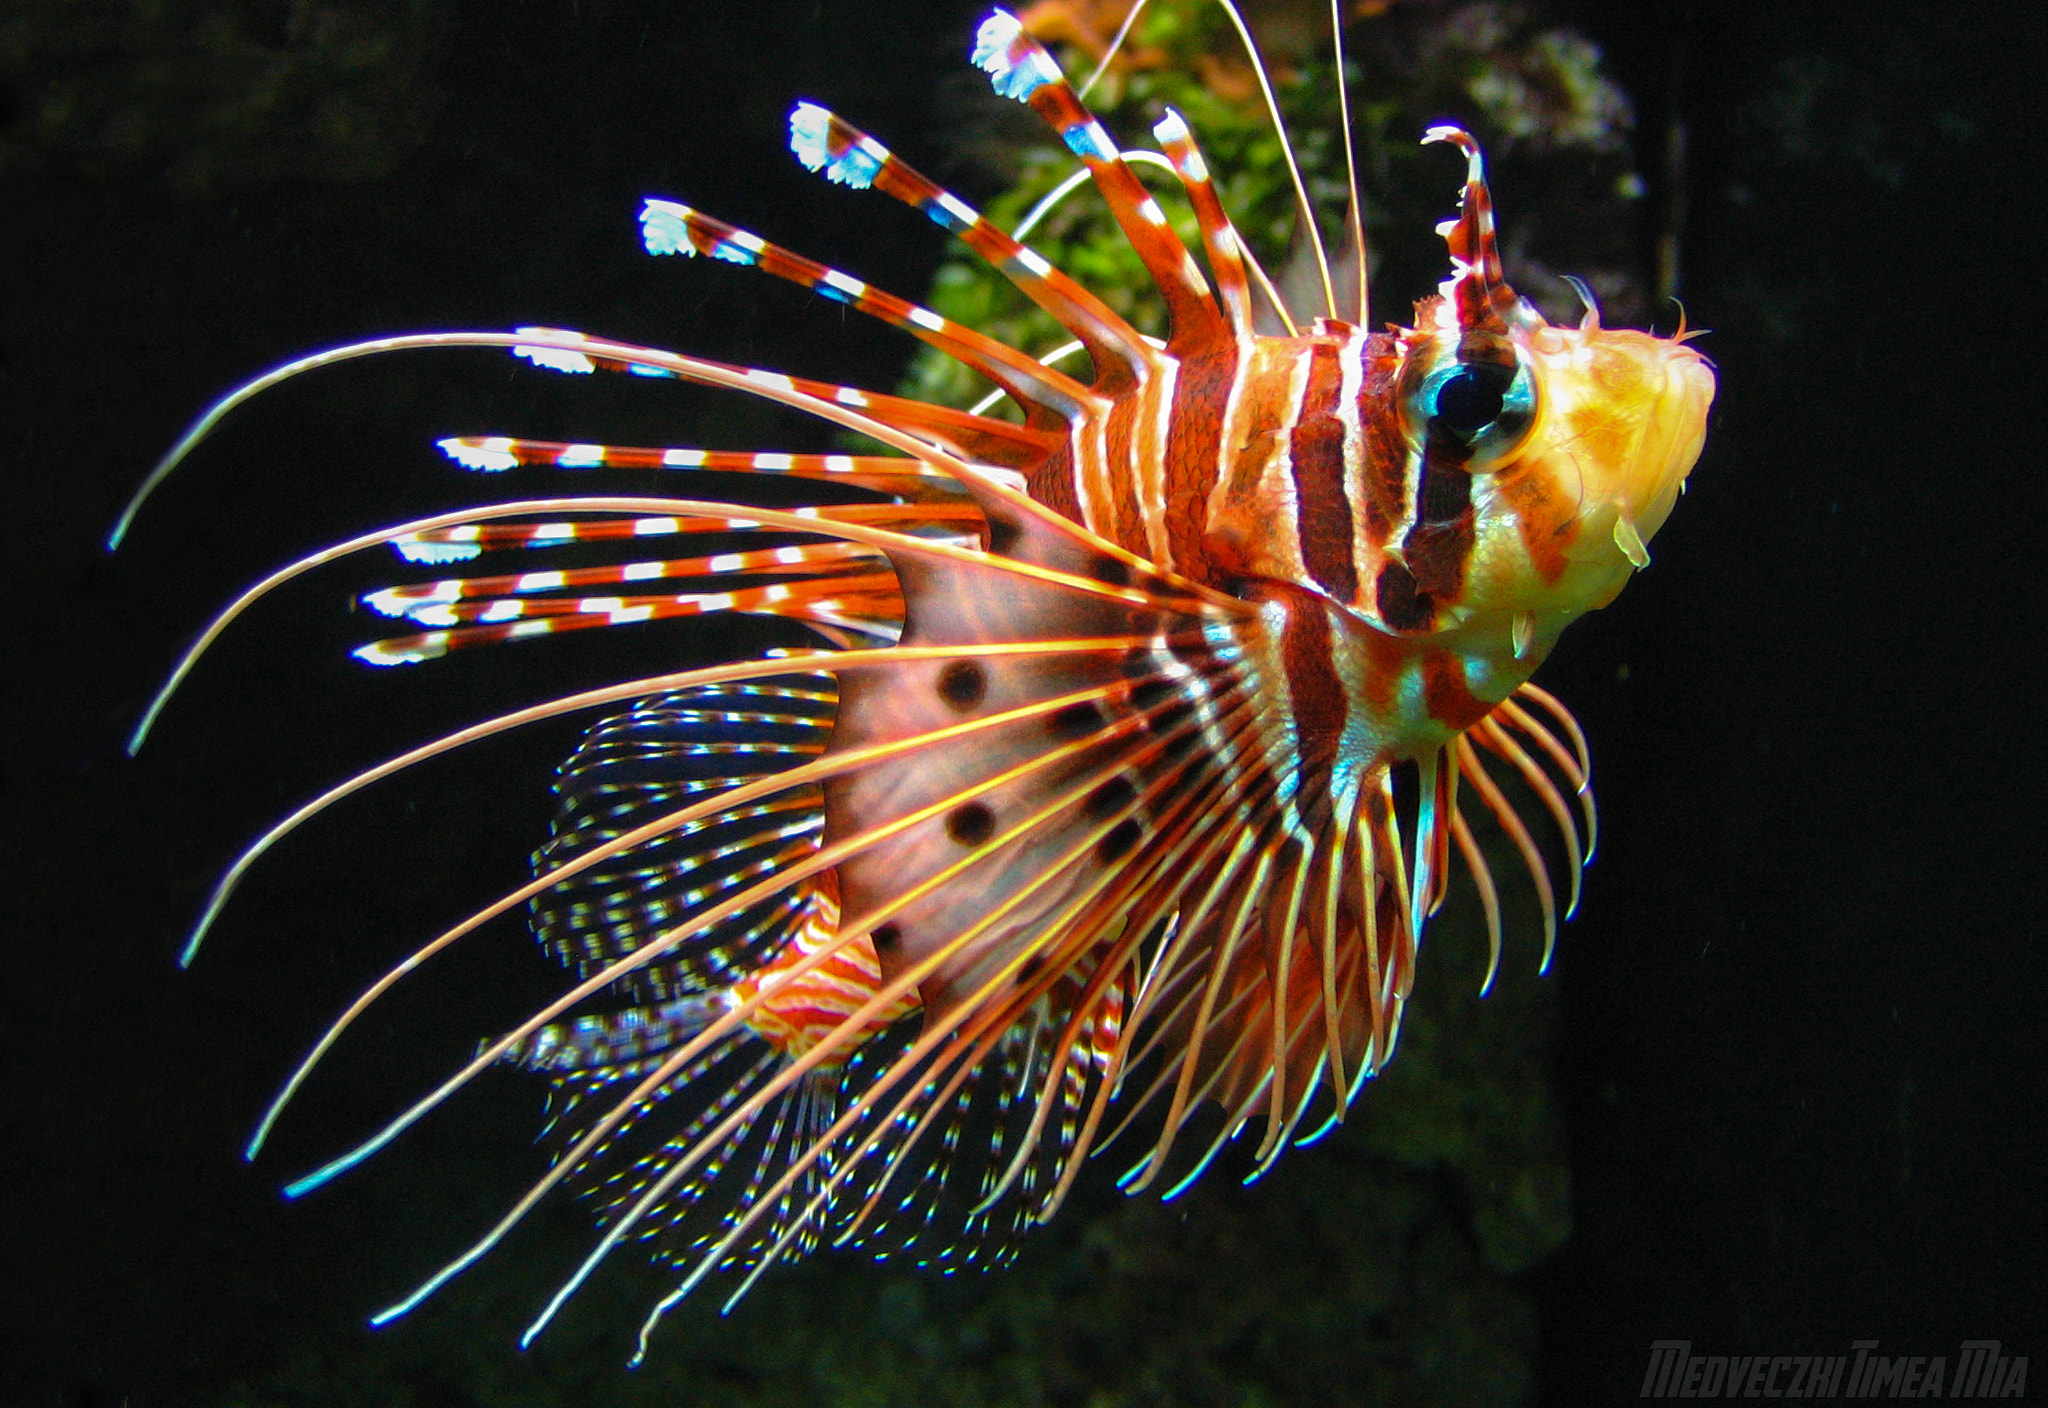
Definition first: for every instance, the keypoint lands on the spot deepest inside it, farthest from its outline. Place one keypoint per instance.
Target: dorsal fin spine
(823, 140)
(1020, 68)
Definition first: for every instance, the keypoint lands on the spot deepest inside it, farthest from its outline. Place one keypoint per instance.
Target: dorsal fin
(823, 139)
(1048, 397)
(1020, 68)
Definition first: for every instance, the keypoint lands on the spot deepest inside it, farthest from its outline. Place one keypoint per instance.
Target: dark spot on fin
(1117, 844)
(962, 685)
(970, 823)
(1152, 692)
(1075, 721)
(1170, 719)
(1109, 799)
(1111, 571)
(886, 937)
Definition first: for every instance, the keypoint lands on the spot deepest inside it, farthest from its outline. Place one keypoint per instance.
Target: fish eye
(1469, 400)
(1486, 406)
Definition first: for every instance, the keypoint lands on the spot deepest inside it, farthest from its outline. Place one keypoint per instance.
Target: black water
(1801, 1046)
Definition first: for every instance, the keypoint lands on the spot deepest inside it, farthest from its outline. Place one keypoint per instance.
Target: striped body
(1286, 459)
(796, 1017)
(1083, 819)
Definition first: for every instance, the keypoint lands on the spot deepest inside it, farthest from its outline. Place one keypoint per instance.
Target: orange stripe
(804, 1012)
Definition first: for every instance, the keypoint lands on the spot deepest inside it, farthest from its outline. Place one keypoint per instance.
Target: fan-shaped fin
(663, 753)
(423, 601)
(895, 475)
(638, 766)
(1107, 744)
(982, 439)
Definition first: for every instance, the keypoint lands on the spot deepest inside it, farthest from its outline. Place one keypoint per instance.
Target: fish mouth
(1628, 419)
(1673, 431)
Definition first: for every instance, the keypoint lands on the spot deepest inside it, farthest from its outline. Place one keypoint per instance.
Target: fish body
(1084, 823)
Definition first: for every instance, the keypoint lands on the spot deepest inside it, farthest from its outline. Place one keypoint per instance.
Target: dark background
(1801, 1051)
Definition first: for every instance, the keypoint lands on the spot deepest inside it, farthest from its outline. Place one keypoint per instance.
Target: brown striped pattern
(1315, 450)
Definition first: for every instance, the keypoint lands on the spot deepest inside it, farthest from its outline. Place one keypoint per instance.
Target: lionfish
(1082, 821)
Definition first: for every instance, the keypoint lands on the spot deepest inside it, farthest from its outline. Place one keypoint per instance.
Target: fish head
(1562, 448)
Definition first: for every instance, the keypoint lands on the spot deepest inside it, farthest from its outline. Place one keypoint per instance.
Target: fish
(1143, 735)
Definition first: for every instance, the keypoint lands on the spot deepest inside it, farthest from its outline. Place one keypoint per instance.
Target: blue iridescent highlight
(810, 131)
